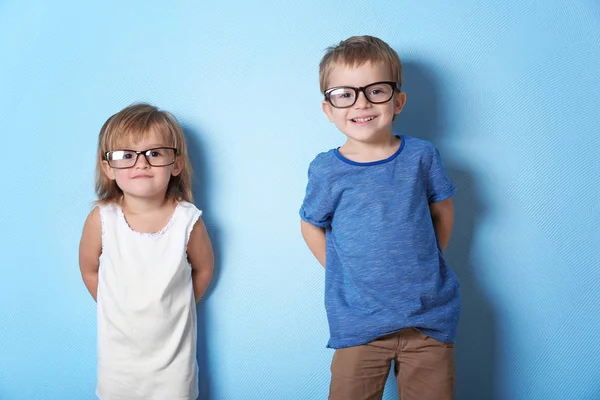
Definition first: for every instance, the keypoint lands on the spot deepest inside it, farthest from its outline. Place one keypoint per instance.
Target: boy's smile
(363, 121)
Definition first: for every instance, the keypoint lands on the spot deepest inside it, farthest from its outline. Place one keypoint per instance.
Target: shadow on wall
(202, 186)
(476, 347)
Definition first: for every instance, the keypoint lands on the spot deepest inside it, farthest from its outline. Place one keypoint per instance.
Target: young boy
(377, 215)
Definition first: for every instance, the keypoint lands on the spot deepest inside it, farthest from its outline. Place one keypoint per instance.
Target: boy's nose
(361, 100)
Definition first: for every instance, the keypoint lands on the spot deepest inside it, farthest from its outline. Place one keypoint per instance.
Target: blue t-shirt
(384, 268)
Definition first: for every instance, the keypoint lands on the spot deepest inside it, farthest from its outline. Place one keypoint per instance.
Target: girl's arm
(90, 248)
(315, 239)
(200, 255)
(442, 214)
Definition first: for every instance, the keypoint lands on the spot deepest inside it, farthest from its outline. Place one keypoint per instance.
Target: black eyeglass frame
(395, 86)
(137, 156)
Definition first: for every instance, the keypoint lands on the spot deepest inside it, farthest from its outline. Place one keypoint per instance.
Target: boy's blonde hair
(129, 126)
(356, 51)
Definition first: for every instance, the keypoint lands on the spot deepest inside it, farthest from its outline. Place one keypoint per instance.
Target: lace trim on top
(148, 234)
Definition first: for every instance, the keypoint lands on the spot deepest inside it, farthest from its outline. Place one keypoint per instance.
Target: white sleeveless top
(146, 310)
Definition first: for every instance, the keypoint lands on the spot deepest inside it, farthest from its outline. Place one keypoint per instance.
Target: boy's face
(364, 121)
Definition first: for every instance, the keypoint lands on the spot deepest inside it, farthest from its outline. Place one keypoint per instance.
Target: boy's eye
(380, 90)
(342, 95)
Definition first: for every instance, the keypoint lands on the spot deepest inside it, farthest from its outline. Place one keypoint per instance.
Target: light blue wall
(508, 90)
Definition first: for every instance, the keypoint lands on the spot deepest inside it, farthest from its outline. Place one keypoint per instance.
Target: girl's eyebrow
(149, 147)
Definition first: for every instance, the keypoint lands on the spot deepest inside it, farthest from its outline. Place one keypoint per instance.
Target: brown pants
(424, 368)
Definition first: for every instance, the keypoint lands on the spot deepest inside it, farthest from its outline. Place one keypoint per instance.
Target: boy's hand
(315, 239)
(442, 214)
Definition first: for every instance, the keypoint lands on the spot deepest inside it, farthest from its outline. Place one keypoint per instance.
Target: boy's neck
(375, 150)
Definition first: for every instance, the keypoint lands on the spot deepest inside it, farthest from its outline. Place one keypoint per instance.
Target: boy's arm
(315, 239)
(442, 214)
(201, 257)
(90, 249)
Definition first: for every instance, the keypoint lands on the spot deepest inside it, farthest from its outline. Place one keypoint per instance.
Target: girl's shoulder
(107, 210)
(185, 204)
(189, 208)
(107, 206)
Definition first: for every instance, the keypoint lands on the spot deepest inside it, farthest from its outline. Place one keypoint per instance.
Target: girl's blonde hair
(131, 125)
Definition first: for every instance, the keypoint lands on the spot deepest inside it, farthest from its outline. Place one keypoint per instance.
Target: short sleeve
(317, 208)
(439, 186)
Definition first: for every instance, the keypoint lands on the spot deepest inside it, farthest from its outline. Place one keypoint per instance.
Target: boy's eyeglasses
(156, 157)
(376, 93)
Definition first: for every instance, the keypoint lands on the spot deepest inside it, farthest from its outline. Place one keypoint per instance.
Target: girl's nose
(142, 162)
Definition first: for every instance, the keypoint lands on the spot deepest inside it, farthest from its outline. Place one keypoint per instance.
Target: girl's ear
(108, 171)
(177, 167)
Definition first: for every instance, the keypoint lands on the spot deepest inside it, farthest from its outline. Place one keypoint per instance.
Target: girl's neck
(137, 205)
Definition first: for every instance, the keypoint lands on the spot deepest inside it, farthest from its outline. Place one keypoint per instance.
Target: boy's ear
(177, 167)
(108, 171)
(327, 110)
(399, 102)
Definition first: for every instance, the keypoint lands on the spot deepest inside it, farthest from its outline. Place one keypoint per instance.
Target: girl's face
(143, 180)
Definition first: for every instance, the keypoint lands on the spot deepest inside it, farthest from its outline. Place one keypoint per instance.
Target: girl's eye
(127, 156)
(154, 153)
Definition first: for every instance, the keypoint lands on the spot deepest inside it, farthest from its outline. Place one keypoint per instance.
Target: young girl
(146, 258)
